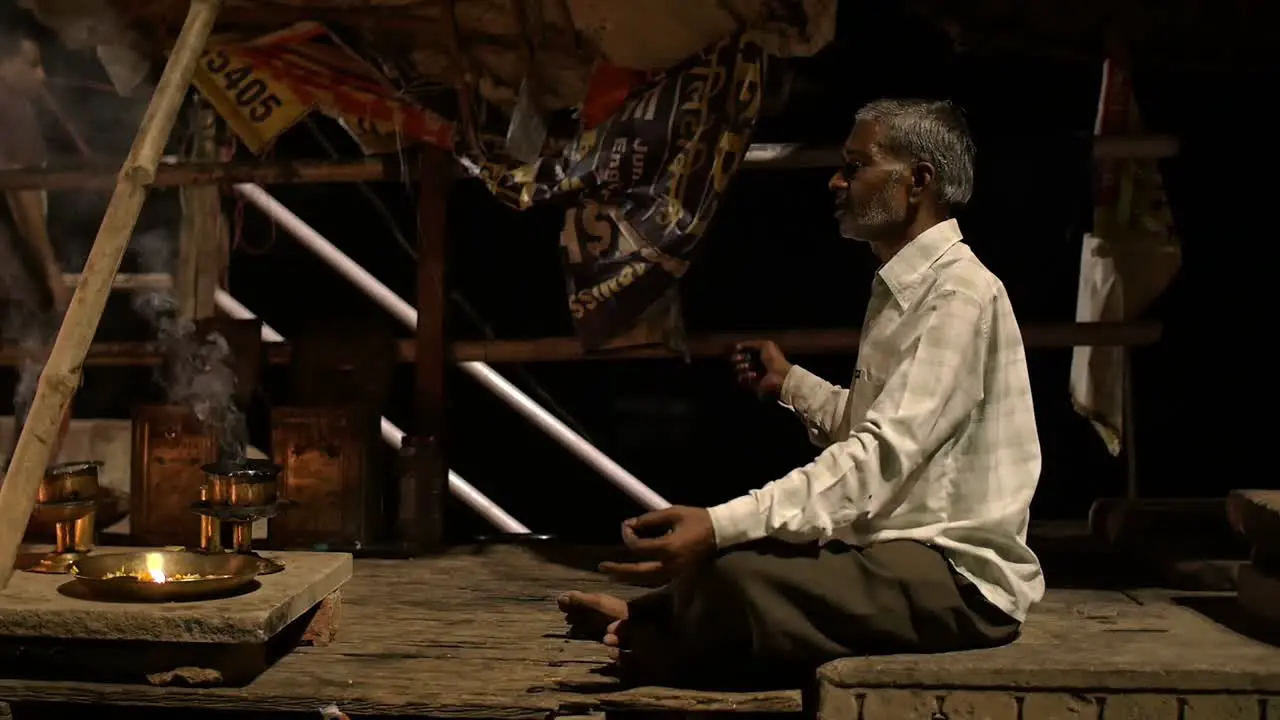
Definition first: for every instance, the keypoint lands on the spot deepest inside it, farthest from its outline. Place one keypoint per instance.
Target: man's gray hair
(932, 131)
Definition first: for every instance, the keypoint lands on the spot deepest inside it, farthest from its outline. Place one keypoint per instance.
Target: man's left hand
(676, 539)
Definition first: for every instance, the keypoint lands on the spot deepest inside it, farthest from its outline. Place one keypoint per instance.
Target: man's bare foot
(590, 614)
(642, 653)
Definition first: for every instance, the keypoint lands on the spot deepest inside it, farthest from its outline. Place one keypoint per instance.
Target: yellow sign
(257, 106)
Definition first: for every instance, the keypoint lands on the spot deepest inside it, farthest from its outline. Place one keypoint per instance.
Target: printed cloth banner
(263, 86)
(644, 184)
(1127, 261)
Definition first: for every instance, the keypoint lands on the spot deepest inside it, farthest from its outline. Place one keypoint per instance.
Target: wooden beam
(764, 156)
(175, 174)
(61, 375)
(128, 281)
(424, 519)
(567, 349)
(792, 342)
(786, 156)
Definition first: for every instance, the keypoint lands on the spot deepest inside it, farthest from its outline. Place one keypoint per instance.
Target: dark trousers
(772, 612)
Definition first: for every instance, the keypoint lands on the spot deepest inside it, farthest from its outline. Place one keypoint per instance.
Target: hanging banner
(607, 91)
(645, 183)
(263, 86)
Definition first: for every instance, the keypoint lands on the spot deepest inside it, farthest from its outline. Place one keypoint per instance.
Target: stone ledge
(1255, 514)
(33, 607)
(906, 704)
(1102, 640)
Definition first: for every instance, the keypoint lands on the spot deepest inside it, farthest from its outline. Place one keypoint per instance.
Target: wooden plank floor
(476, 634)
(470, 634)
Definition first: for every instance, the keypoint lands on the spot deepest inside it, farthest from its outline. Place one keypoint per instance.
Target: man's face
(870, 190)
(23, 72)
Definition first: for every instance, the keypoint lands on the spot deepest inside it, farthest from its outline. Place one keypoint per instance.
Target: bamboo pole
(61, 374)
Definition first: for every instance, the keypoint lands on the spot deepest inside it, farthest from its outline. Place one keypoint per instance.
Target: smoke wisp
(27, 325)
(197, 373)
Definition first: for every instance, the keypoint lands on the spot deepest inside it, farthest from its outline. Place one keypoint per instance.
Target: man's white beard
(849, 229)
(878, 215)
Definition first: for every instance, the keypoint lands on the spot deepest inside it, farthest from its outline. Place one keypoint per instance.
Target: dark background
(773, 260)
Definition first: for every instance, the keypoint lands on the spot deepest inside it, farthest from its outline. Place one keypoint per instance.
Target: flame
(155, 568)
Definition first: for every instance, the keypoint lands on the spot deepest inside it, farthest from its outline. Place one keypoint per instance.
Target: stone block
(1222, 707)
(885, 704)
(836, 703)
(1140, 706)
(970, 705)
(1256, 515)
(1059, 706)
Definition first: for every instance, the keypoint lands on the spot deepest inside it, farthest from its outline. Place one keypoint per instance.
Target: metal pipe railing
(482, 372)
(461, 489)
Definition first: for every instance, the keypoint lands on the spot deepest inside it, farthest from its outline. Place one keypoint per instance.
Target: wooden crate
(169, 447)
(329, 456)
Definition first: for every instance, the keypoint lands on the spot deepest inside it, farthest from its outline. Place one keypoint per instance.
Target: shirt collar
(904, 269)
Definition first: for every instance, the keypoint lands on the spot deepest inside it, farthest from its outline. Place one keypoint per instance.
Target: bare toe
(590, 614)
(608, 606)
(613, 633)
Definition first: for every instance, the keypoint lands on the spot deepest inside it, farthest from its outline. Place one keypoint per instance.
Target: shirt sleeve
(925, 398)
(815, 401)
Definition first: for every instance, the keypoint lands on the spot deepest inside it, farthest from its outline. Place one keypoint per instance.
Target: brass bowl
(69, 482)
(51, 513)
(189, 575)
(111, 507)
(250, 483)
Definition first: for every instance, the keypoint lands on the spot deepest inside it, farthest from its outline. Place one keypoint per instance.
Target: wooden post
(204, 243)
(213, 240)
(196, 274)
(430, 489)
(61, 374)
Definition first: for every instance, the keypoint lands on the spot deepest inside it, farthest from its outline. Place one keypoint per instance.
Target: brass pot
(249, 483)
(62, 512)
(69, 483)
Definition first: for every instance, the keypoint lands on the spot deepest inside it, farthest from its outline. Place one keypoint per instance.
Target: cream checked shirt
(935, 440)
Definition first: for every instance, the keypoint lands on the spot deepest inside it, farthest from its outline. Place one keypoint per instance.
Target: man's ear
(923, 175)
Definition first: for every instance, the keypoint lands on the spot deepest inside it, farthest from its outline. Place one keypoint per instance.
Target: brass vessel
(67, 498)
(238, 494)
(166, 576)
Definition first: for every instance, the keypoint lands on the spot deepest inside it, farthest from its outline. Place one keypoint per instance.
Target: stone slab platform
(1256, 515)
(1081, 639)
(43, 606)
(1083, 654)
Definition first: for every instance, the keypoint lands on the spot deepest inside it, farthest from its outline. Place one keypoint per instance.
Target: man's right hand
(763, 378)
